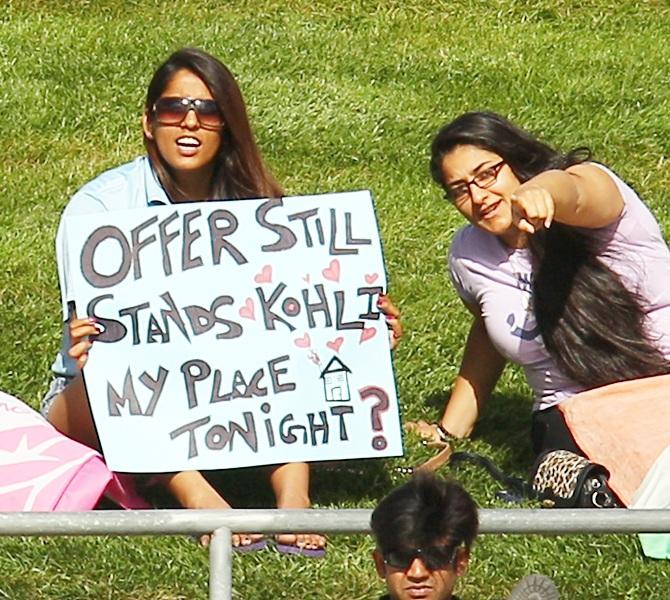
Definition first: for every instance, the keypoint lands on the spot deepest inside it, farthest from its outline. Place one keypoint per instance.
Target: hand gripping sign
(236, 333)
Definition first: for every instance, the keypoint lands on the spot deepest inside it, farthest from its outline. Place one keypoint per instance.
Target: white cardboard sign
(236, 333)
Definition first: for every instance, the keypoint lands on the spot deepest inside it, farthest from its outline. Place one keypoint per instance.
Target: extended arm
(583, 195)
(480, 369)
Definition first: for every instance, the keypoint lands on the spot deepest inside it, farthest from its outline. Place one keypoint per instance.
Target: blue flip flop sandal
(298, 551)
(253, 547)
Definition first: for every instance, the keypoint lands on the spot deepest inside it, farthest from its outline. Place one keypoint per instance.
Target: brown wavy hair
(239, 171)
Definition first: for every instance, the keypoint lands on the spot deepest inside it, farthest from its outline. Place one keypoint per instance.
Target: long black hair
(591, 324)
(239, 170)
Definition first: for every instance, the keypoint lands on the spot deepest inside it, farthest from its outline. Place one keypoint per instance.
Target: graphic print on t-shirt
(524, 282)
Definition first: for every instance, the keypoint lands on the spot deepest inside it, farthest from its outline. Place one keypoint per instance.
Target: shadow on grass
(347, 483)
(352, 482)
(502, 434)
(504, 427)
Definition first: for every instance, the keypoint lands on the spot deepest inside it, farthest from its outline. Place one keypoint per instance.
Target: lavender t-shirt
(496, 280)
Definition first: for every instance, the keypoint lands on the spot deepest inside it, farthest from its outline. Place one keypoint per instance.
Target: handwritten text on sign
(236, 333)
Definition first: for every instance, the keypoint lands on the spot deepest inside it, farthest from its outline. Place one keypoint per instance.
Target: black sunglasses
(433, 557)
(172, 111)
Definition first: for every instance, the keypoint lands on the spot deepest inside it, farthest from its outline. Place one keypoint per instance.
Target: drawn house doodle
(336, 381)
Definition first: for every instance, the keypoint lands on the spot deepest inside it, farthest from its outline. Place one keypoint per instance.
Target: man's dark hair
(423, 512)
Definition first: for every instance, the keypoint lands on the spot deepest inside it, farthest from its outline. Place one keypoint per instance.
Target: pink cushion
(624, 426)
(43, 470)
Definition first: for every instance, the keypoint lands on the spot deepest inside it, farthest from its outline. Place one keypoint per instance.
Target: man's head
(424, 530)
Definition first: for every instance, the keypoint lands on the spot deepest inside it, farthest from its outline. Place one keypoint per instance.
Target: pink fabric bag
(43, 470)
(624, 427)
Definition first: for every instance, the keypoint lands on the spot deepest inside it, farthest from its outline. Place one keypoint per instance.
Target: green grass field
(343, 95)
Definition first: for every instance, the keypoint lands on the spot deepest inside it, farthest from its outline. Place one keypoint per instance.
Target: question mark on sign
(381, 406)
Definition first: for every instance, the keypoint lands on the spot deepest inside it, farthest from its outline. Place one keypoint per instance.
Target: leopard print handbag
(563, 479)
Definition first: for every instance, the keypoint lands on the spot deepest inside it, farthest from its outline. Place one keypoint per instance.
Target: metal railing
(221, 524)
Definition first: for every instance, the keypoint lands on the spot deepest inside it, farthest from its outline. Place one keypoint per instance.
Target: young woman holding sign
(200, 147)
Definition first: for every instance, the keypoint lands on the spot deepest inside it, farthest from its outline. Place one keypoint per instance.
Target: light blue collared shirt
(133, 185)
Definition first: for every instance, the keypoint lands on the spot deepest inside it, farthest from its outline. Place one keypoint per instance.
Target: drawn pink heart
(335, 344)
(333, 271)
(303, 342)
(265, 276)
(367, 333)
(247, 311)
(306, 278)
(371, 278)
